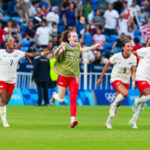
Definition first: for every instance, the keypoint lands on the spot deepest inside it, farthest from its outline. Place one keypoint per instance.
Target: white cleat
(112, 110)
(52, 100)
(5, 124)
(108, 125)
(133, 124)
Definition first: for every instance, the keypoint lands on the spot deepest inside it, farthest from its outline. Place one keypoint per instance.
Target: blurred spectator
(38, 18)
(43, 34)
(42, 79)
(32, 9)
(2, 32)
(12, 26)
(126, 11)
(1, 19)
(142, 16)
(111, 20)
(103, 5)
(54, 29)
(122, 24)
(136, 47)
(50, 49)
(135, 9)
(98, 19)
(86, 35)
(44, 9)
(24, 5)
(80, 24)
(118, 44)
(131, 27)
(118, 5)
(55, 41)
(79, 7)
(99, 38)
(30, 31)
(87, 8)
(69, 17)
(32, 49)
(17, 41)
(87, 57)
(53, 16)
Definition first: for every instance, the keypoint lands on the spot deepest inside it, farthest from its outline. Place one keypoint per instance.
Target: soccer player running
(67, 66)
(9, 58)
(124, 66)
(142, 83)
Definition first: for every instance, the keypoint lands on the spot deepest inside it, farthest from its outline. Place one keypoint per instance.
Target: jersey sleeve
(113, 59)
(134, 61)
(142, 52)
(21, 54)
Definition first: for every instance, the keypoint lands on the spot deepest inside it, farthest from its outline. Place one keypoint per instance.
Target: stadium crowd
(37, 25)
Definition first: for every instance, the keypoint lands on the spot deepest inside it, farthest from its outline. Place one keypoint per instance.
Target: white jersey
(9, 64)
(143, 69)
(122, 67)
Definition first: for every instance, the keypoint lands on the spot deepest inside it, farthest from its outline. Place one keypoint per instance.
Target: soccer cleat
(108, 125)
(75, 123)
(5, 124)
(52, 100)
(112, 110)
(133, 124)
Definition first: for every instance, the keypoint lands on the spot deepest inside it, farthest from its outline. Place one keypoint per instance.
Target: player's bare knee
(125, 93)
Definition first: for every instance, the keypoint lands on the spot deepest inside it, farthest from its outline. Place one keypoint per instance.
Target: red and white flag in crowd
(145, 30)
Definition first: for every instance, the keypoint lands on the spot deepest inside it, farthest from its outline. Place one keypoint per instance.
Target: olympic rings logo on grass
(110, 97)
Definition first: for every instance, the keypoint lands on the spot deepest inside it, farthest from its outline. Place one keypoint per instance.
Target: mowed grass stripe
(47, 128)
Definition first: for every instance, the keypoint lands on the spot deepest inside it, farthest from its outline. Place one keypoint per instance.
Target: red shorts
(116, 83)
(64, 81)
(9, 87)
(142, 85)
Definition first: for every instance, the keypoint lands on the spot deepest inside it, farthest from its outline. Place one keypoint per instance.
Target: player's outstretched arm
(148, 44)
(60, 49)
(133, 73)
(36, 54)
(99, 81)
(86, 49)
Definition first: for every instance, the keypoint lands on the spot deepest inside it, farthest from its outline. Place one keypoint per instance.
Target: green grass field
(47, 128)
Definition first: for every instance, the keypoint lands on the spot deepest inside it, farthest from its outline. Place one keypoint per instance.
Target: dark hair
(64, 36)
(32, 43)
(44, 20)
(124, 42)
(136, 40)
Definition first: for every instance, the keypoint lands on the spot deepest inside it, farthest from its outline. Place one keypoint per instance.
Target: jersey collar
(124, 56)
(8, 51)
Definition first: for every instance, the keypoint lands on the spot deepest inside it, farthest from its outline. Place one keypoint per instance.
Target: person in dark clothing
(41, 77)
(32, 49)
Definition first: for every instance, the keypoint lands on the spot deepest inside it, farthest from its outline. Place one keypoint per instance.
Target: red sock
(73, 88)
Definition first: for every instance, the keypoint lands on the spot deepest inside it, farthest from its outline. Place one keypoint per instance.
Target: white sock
(118, 99)
(109, 119)
(73, 119)
(138, 112)
(3, 113)
(56, 97)
(143, 99)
